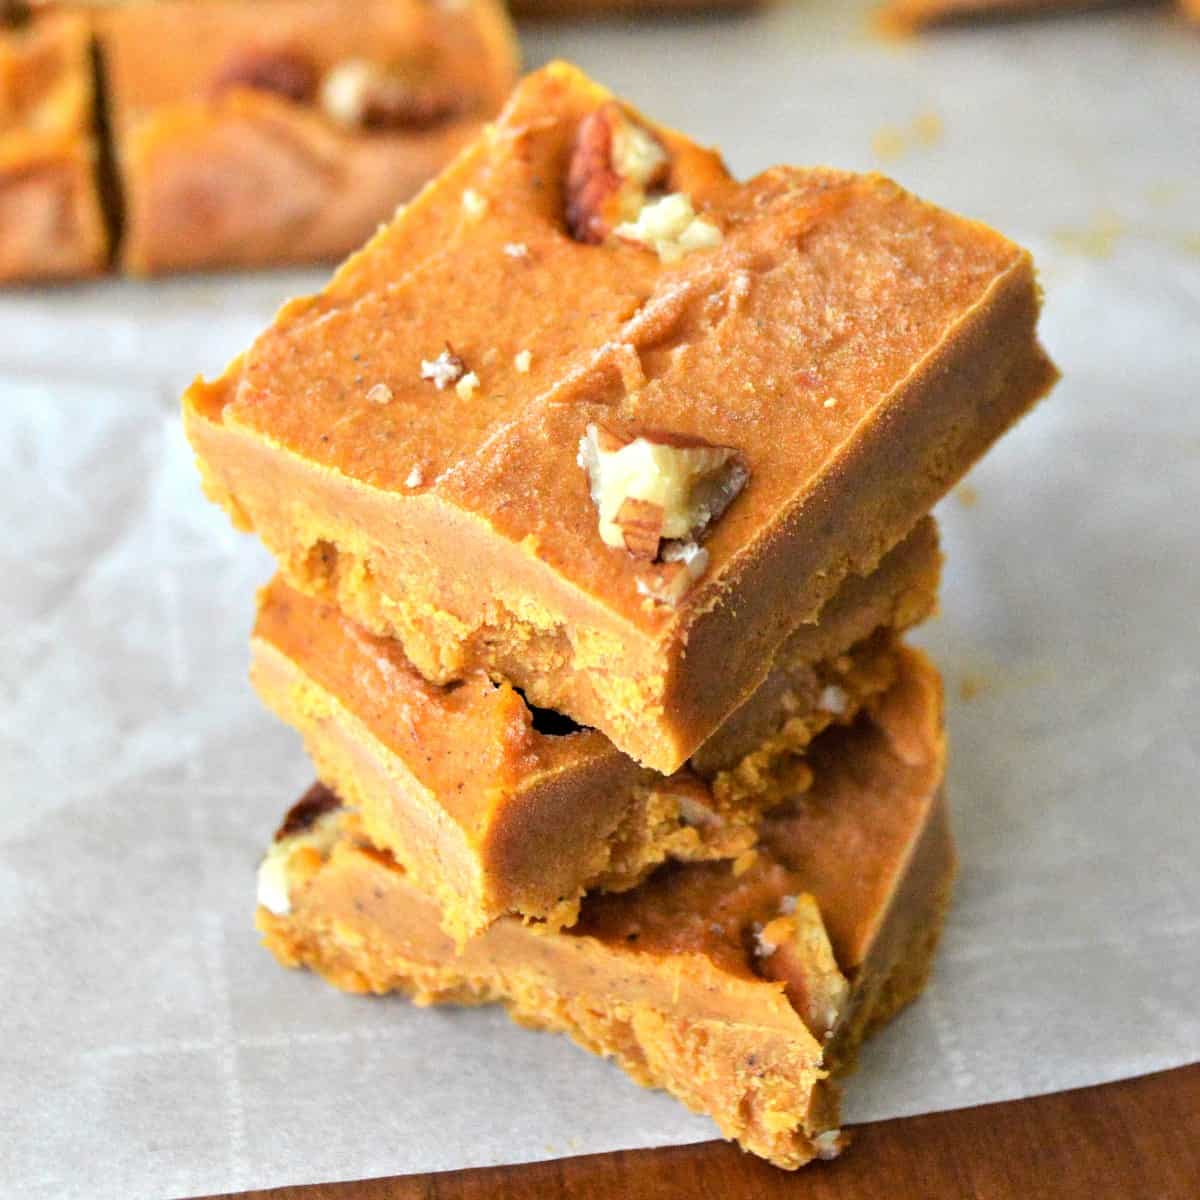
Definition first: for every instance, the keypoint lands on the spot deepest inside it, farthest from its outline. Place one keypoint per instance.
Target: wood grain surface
(1134, 1140)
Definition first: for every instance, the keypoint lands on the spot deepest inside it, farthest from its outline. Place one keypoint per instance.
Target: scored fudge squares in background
(52, 223)
(594, 417)
(739, 993)
(494, 808)
(270, 131)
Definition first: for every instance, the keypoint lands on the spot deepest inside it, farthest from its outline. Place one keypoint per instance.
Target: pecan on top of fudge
(599, 419)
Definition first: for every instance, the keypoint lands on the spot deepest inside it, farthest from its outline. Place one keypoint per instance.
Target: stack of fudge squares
(598, 483)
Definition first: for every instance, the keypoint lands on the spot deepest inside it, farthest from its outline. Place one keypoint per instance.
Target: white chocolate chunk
(444, 370)
(474, 205)
(829, 1144)
(274, 882)
(693, 484)
(346, 89)
(636, 154)
(670, 227)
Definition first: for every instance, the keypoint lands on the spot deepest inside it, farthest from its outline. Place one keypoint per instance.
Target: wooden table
(1134, 1140)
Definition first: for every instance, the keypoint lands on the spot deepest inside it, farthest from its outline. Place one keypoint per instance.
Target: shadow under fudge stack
(598, 483)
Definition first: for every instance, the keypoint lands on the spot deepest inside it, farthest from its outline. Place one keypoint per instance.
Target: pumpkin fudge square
(52, 223)
(493, 807)
(741, 993)
(596, 419)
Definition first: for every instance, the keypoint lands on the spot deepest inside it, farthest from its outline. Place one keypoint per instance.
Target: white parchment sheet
(150, 1047)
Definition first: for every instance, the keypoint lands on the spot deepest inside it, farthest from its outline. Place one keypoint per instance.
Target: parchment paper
(150, 1047)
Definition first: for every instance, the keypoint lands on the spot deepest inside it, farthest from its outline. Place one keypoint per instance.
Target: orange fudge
(52, 224)
(908, 16)
(285, 130)
(585, 8)
(739, 993)
(594, 417)
(496, 808)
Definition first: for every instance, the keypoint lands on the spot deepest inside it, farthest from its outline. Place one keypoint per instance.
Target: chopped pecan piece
(14, 13)
(683, 564)
(689, 482)
(640, 522)
(795, 950)
(305, 813)
(615, 163)
(280, 70)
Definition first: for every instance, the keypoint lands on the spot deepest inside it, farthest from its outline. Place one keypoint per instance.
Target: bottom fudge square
(740, 991)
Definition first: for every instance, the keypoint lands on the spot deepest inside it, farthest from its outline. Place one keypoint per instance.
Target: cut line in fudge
(849, 347)
(741, 993)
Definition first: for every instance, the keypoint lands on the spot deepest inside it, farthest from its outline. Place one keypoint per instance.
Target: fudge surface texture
(740, 992)
(51, 221)
(286, 130)
(495, 808)
(612, 428)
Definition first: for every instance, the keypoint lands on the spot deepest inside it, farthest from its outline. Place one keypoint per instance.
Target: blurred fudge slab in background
(286, 130)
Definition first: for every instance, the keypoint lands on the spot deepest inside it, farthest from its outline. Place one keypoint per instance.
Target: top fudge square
(596, 418)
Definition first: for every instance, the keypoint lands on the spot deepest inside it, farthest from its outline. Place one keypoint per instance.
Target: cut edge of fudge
(745, 1023)
(54, 223)
(574, 623)
(554, 9)
(495, 808)
(903, 17)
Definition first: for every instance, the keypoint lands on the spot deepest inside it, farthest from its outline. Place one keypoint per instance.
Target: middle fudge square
(497, 808)
(594, 418)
